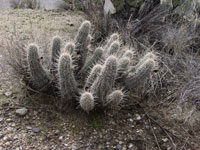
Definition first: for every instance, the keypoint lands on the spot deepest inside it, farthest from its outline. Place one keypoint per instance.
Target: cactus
(105, 81)
(128, 54)
(148, 55)
(142, 72)
(93, 75)
(123, 65)
(81, 43)
(115, 98)
(87, 101)
(113, 49)
(96, 57)
(55, 52)
(69, 48)
(113, 37)
(68, 85)
(38, 74)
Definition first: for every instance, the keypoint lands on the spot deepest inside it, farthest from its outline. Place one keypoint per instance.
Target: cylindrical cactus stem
(69, 47)
(38, 73)
(123, 65)
(113, 49)
(89, 39)
(96, 57)
(115, 98)
(87, 102)
(81, 44)
(149, 55)
(104, 83)
(113, 37)
(93, 76)
(142, 72)
(55, 51)
(68, 85)
(129, 54)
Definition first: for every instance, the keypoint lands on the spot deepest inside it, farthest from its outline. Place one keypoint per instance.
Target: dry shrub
(27, 4)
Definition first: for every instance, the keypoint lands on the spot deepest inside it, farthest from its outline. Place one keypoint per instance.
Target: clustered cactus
(91, 81)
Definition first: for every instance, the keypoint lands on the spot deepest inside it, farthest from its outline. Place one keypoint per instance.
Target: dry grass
(31, 4)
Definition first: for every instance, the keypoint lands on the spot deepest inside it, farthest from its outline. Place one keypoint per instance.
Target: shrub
(90, 81)
(31, 4)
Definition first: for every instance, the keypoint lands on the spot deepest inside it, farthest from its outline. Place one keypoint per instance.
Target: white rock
(21, 112)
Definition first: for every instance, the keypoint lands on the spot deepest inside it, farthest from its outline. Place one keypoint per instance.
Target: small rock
(36, 130)
(118, 147)
(8, 94)
(5, 138)
(1, 148)
(138, 117)
(165, 139)
(21, 112)
(74, 147)
(1, 119)
(60, 138)
(130, 145)
(28, 128)
(147, 127)
(131, 120)
(1, 136)
(57, 132)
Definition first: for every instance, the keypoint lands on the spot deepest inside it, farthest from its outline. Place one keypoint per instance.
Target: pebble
(130, 145)
(8, 94)
(131, 120)
(1, 119)
(28, 128)
(1, 148)
(74, 147)
(21, 112)
(138, 117)
(1, 136)
(118, 147)
(5, 138)
(36, 130)
(57, 132)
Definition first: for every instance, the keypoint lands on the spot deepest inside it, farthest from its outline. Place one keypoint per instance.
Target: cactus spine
(81, 43)
(142, 72)
(115, 98)
(55, 52)
(87, 102)
(113, 37)
(113, 49)
(69, 48)
(93, 76)
(38, 74)
(123, 64)
(96, 57)
(68, 85)
(105, 82)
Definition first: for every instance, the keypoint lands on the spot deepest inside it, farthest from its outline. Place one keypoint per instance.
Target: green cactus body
(113, 49)
(87, 102)
(113, 37)
(93, 76)
(115, 98)
(69, 48)
(123, 64)
(96, 57)
(150, 55)
(129, 54)
(55, 52)
(68, 85)
(142, 72)
(38, 74)
(104, 83)
(81, 44)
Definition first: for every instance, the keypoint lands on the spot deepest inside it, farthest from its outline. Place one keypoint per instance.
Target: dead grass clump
(27, 4)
